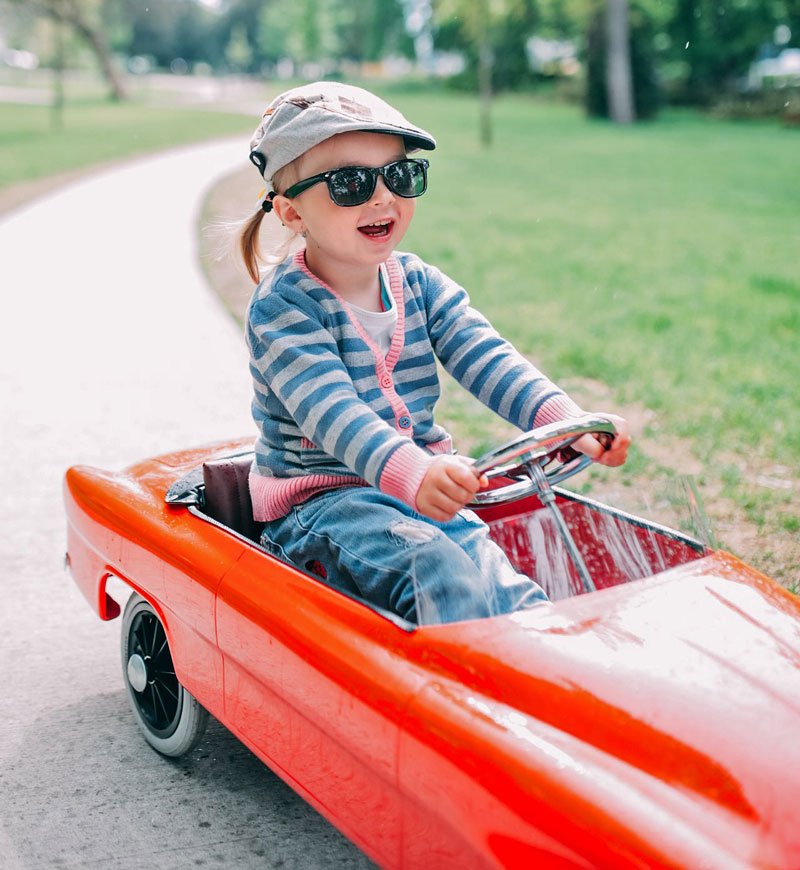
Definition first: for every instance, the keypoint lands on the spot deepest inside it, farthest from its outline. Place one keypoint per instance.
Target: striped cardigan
(332, 410)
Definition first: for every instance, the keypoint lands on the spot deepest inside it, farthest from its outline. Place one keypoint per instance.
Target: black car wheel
(169, 717)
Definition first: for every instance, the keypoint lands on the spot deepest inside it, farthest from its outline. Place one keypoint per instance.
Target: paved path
(112, 348)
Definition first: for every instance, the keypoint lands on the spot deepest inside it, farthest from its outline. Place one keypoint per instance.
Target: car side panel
(91, 549)
(120, 525)
(317, 685)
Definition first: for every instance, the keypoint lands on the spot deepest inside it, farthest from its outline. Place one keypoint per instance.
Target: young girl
(352, 476)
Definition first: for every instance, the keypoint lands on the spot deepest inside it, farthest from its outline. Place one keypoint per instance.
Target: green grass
(97, 131)
(661, 260)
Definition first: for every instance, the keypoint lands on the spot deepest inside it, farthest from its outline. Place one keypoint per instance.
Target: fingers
(464, 475)
(469, 462)
(448, 486)
(439, 506)
(617, 452)
(589, 445)
(610, 454)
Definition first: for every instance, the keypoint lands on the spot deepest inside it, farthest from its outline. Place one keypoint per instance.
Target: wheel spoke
(161, 648)
(157, 695)
(142, 634)
(136, 637)
(156, 626)
(166, 688)
(148, 704)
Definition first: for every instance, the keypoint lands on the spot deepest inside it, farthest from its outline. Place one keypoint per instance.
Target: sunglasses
(354, 185)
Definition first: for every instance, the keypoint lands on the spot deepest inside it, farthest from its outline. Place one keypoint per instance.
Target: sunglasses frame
(374, 171)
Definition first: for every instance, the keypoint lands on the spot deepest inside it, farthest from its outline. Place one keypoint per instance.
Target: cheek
(407, 208)
(318, 212)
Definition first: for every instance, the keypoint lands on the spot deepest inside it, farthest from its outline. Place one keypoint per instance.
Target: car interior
(617, 547)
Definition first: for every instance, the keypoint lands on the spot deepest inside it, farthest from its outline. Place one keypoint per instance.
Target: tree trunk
(103, 55)
(58, 79)
(70, 12)
(619, 80)
(484, 72)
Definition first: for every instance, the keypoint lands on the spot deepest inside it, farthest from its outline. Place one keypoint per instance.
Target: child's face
(340, 238)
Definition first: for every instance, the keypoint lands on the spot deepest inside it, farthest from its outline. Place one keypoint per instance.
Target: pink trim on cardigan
(443, 446)
(403, 473)
(558, 408)
(274, 497)
(396, 289)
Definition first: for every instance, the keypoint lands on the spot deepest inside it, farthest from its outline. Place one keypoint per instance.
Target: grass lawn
(97, 131)
(661, 260)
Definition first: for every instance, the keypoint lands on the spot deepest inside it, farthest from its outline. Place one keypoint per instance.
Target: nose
(381, 192)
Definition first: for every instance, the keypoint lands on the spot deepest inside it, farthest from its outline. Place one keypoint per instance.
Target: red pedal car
(648, 717)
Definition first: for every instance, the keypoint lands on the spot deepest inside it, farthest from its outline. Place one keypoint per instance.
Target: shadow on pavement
(85, 790)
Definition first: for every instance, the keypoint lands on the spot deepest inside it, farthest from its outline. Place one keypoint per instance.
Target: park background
(616, 185)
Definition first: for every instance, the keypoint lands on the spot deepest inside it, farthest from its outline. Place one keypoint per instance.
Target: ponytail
(280, 242)
(249, 247)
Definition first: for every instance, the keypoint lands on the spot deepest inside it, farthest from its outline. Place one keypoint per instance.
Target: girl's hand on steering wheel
(449, 484)
(601, 448)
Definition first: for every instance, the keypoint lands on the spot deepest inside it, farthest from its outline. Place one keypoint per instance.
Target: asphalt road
(112, 349)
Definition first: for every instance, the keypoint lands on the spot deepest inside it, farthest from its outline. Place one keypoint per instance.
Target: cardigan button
(404, 422)
(386, 381)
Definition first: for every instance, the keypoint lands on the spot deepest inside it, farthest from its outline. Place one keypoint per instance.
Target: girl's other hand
(616, 453)
(449, 484)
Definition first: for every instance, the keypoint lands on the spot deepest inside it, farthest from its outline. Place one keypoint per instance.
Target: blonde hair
(250, 232)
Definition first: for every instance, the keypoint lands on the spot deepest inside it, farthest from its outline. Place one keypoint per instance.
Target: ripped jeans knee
(412, 533)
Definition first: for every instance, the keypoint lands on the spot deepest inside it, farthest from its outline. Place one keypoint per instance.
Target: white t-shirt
(379, 325)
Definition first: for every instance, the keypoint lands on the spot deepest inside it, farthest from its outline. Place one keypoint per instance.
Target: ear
(287, 213)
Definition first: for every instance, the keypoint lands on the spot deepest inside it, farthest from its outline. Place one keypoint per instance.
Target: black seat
(227, 494)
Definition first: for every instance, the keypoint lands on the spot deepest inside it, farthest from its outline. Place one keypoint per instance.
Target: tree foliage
(711, 44)
(696, 49)
(503, 25)
(246, 35)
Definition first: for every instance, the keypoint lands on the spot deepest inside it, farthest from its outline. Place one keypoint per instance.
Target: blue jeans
(379, 549)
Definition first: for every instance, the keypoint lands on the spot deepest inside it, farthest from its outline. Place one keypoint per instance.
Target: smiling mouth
(377, 230)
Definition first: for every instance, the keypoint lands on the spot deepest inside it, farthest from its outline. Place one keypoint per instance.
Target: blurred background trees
(699, 52)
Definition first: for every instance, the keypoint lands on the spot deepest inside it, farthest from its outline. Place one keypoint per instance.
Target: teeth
(379, 224)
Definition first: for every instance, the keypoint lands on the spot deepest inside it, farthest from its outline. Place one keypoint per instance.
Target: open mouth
(377, 230)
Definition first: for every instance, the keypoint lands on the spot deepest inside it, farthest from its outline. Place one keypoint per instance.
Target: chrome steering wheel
(540, 458)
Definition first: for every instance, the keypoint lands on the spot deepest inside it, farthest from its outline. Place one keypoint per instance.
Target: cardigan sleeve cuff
(403, 473)
(558, 407)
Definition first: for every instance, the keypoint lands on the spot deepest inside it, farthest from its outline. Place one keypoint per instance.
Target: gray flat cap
(305, 116)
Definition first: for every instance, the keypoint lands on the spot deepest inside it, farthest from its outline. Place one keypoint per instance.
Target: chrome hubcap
(137, 673)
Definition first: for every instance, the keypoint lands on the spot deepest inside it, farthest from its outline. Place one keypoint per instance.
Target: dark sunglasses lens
(407, 178)
(351, 186)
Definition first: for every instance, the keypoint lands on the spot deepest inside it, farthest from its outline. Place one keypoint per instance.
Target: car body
(652, 723)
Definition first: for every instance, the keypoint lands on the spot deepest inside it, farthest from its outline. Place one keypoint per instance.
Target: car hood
(691, 677)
